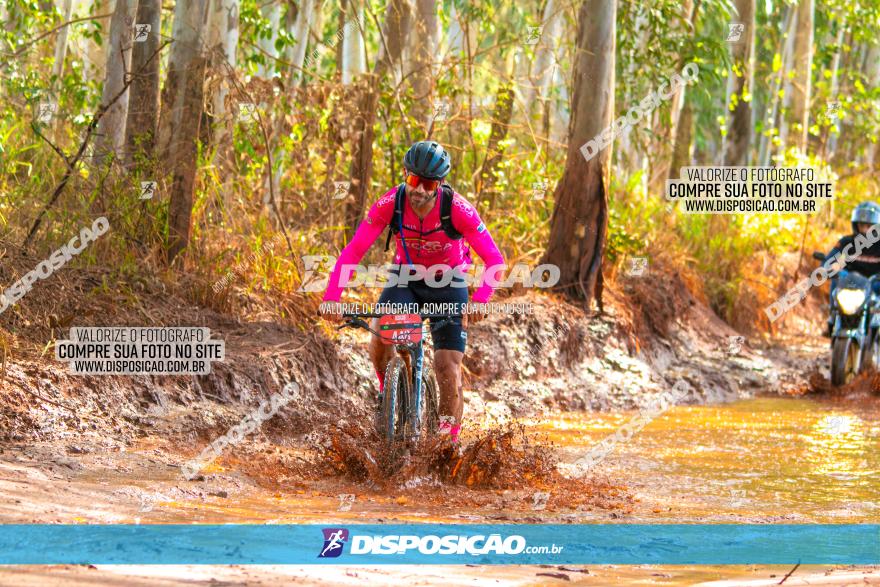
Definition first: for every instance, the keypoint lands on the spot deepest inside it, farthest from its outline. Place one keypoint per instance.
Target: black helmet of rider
(428, 159)
(867, 213)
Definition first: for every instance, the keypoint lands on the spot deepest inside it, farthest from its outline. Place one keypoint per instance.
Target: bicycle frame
(415, 352)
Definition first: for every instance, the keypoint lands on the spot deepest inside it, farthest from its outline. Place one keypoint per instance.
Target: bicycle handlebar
(379, 315)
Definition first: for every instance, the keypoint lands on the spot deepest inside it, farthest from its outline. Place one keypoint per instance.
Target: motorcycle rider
(864, 216)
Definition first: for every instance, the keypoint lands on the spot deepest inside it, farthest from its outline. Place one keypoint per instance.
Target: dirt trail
(109, 449)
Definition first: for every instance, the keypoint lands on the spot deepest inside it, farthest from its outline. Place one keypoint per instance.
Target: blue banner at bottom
(496, 544)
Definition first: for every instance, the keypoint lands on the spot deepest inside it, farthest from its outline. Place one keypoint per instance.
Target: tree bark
(676, 133)
(301, 34)
(361, 172)
(111, 130)
(61, 42)
(580, 215)
(830, 144)
(353, 62)
(143, 111)
(803, 58)
(681, 153)
(272, 12)
(182, 100)
(423, 49)
(765, 149)
(494, 151)
(542, 74)
(872, 71)
(222, 45)
(739, 132)
(398, 20)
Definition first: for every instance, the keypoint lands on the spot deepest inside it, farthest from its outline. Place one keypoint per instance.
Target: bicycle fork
(416, 414)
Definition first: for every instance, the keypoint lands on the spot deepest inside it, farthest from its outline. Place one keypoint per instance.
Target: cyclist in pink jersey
(423, 239)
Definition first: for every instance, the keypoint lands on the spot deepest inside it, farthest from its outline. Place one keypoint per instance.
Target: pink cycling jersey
(426, 242)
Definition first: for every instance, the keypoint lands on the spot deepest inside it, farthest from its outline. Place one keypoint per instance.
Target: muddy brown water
(773, 460)
(770, 459)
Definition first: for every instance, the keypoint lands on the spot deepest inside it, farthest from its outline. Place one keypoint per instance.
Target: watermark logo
(56, 260)
(148, 190)
(636, 266)
(46, 111)
(539, 500)
(735, 31)
(239, 269)
(539, 190)
(832, 110)
(533, 35)
(148, 501)
(644, 108)
(247, 112)
(735, 344)
(442, 109)
(334, 540)
(266, 410)
(349, 25)
(738, 498)
(836, 425)
(141, 32)
(346, 500)
(648, 413)
(436, 276)
(340, 189)
(830, 268)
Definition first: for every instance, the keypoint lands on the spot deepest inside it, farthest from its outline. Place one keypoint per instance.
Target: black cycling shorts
(451, 336)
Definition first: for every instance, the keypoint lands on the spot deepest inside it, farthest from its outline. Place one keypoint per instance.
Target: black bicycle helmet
(428, 159)
(866, 212)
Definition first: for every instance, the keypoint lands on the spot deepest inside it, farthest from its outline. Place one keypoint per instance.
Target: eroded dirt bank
(652, 333)
(80, 449)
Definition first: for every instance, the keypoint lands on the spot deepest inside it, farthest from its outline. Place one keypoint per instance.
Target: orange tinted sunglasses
(430, 185)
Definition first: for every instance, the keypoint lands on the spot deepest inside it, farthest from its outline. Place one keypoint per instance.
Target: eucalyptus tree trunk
(297, 54)
(111, 128)
(182, 105)
(739, 132)
(423, 45)
(352, 50)
(143, 111)
(395, 32)
(799, 111)
(543, 72)
(830, 145)
(61, 41)
(772, 118)
(271, 11)
(580, 213)
(872, 71)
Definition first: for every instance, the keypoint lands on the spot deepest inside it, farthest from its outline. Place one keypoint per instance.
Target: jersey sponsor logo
(426, 246)
(464, 206)
(389, 197)
(481, 227)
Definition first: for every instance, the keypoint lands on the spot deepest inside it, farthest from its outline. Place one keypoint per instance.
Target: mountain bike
(408, 407)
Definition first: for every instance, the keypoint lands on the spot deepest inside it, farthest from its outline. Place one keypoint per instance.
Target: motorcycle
(855, 331)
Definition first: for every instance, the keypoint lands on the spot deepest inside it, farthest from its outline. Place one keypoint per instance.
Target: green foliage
(311, 130)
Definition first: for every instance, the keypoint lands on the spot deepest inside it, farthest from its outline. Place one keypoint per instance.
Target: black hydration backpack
(446, 195)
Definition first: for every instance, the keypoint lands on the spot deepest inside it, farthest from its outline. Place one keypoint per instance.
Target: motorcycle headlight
(850, 300)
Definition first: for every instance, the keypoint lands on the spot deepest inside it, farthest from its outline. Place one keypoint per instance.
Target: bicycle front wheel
(430, 404)
(394, 398)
